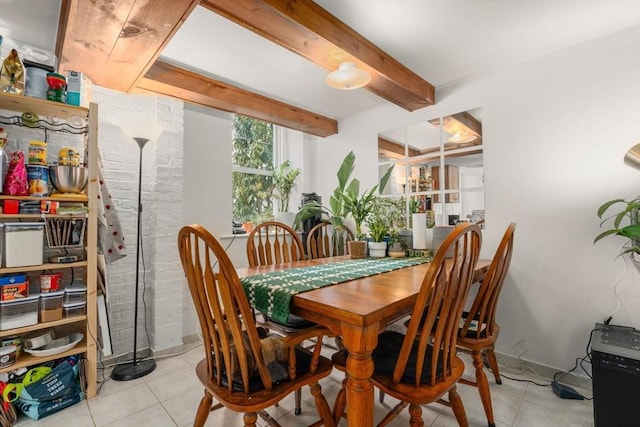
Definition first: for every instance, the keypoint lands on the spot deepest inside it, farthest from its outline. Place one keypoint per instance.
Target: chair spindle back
(440, 303)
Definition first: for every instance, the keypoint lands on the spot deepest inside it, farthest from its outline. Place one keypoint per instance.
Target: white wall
(162, 183)
(555, 130)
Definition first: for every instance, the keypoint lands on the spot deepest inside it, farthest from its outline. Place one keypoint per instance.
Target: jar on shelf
(68, 157)
(38, 153)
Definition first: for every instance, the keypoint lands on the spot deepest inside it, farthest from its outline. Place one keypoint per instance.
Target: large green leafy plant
(624, 221)
(345, 199)
(284, 178)
(361, 206)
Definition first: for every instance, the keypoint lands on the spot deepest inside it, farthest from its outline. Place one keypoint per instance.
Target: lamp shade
(347, 76)
(632, 157)
(140, 129)
(460, 137)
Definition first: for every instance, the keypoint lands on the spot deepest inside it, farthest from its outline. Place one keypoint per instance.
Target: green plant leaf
(630, 231)
(385, 178)
(632, 249)
(602, 209)
(605, 234)
(345, 170)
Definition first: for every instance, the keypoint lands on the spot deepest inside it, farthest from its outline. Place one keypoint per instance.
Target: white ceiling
(442, 41)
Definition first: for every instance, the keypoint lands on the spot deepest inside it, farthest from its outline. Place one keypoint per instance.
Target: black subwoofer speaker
(616, 376)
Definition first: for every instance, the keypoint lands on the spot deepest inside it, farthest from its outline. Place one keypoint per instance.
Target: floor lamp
(141, 133)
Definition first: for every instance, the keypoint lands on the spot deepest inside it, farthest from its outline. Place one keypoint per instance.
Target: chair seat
(471, 341)
(277, 372)
(293, 324)
(387, 352)
(422, 395)
(261, 398)
(385, 383)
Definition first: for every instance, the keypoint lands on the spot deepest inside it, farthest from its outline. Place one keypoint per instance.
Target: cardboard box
(13, 287)
(78, 89)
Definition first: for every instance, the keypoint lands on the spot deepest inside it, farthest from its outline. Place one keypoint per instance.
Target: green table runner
(271, 293)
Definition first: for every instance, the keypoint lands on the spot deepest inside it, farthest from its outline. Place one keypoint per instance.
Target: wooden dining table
(357, 311)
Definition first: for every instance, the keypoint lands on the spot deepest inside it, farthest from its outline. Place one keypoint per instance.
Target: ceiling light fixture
(460, 137)
(347, 76)
(632, 157)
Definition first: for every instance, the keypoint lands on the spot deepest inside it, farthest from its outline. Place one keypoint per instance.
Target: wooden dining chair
(479, 332)
(324, 241)
(418, 367)
(244, 372)
(271, 243)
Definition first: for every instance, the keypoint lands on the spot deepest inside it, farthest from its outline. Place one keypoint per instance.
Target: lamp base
(130, 371)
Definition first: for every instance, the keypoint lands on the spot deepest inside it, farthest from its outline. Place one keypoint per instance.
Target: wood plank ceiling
(117, 44)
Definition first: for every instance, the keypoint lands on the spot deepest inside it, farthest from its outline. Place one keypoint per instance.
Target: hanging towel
(110, 236)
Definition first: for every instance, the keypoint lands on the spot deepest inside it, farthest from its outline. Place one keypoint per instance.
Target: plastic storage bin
(74, 309)
(75, 292)
(23, 244)
(51, 306)
(19, 312)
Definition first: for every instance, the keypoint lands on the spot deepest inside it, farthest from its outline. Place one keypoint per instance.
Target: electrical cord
(615, 285)
(149, 353)
(580, 361)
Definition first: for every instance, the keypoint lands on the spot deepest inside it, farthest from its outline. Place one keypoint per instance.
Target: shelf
(41, 107)
(80, 198)
(41, 325)
(27, 359)
(60, 119)
(39, 216)
(49, 266)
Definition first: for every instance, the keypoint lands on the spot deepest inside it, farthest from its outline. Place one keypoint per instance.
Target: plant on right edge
(629, 209)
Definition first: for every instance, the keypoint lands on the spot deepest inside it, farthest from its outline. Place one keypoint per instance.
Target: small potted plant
(284, 179)
(378, 229)
(397, 245)
(629, 210)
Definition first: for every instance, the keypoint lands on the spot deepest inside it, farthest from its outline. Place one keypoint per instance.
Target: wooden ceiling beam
(470, 122)
(191, 87)
(307, 29)
(394, 149)
(116, 42)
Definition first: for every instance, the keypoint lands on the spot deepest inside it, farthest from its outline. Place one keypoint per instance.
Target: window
(253, 161)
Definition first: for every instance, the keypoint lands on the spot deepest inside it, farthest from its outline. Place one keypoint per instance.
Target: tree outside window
(252, 156)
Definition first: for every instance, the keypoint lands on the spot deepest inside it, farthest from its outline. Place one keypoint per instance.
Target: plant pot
(407, 235)
(396, 250)
(357, 248)
(429, 238)
(377, 249)
(286, 218)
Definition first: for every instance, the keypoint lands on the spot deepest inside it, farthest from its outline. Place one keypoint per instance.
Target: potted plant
(397, 245)
(284, 179)
(378, 229)
(629, 210)
(336, 211)
(344, 201)
(361, 206)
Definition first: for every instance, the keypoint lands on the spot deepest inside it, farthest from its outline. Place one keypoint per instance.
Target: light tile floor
(170, 395)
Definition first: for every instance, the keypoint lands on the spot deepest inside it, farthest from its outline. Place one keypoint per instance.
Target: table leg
(360, 342)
